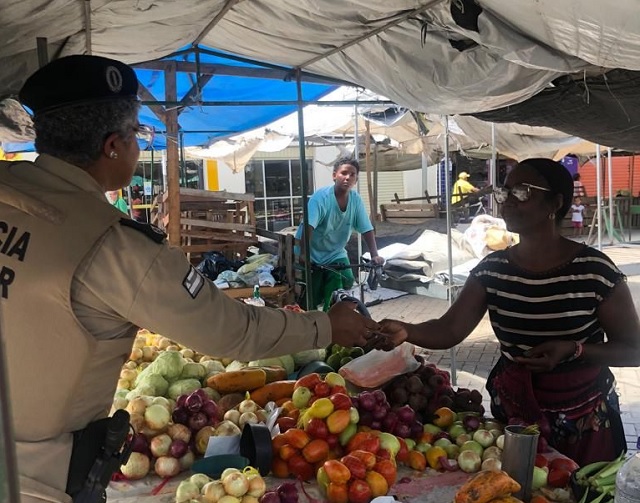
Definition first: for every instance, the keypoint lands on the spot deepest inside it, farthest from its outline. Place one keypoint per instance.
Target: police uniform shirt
(130, 280)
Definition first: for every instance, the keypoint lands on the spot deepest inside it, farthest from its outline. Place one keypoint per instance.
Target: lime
(334, 361)
(336, 349)
(344, 352)
(345, 360)
(356, 351)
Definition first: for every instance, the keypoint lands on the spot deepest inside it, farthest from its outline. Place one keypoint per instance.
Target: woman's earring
(552, 216)
(113, 155)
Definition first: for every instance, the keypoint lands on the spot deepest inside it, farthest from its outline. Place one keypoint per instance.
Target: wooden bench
(406, 213)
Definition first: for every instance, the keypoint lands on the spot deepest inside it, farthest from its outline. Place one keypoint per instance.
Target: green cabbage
(155, 382)
(182, 387)
(168, 364)
(195, 370)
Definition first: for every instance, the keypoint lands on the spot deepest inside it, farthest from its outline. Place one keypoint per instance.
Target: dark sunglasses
(521, 191)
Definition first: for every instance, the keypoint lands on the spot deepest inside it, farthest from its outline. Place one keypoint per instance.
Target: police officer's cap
(78, 79)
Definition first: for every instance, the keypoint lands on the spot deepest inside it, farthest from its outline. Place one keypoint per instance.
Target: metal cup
(518, 458)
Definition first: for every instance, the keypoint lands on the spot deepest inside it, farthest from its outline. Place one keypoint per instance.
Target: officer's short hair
(77, 101)
(347, 160)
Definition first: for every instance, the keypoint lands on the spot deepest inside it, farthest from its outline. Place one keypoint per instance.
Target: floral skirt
(576, 407)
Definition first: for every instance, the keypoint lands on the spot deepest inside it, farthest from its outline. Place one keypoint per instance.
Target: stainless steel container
(518, 458)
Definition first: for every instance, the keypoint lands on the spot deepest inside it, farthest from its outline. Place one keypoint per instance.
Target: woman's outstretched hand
(396, 330)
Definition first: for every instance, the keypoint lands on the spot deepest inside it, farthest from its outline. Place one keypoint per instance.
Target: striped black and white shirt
(529, 308)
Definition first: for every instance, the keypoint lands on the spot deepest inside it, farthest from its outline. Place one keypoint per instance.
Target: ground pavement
(478, 353)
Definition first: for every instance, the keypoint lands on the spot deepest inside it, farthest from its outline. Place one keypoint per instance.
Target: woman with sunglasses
(562, 312)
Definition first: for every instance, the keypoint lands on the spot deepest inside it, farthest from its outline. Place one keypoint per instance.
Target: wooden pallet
(212, 221)
(406, 213)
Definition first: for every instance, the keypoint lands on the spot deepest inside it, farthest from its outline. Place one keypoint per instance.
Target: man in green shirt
(114, 197)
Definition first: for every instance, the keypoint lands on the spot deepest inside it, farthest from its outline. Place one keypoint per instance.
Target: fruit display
(487, 486)
(350, 442)
(429, 388)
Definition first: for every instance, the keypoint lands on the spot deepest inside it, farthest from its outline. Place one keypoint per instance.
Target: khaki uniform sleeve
(154, 286)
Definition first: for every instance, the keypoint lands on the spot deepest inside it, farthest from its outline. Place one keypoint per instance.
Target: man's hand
(377, 260)
(396, 330)
(546, 356)
(348, 327)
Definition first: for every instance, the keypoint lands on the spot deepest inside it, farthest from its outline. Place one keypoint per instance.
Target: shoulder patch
(151, 231)
(193, 282)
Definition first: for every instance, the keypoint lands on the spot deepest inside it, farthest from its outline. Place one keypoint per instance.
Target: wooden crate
(212, 221)
(406, 213)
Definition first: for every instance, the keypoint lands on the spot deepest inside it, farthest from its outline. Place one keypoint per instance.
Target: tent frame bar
(229, 4)
(257, 103)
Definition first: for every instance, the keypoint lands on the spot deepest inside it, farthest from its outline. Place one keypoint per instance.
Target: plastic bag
(213, 263)
(377, 367)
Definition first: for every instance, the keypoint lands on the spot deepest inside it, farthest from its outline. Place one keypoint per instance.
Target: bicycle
(371, 280)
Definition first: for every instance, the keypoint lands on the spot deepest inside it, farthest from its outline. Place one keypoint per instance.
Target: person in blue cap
(77, 277)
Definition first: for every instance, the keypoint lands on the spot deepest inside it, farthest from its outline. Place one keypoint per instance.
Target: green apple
(442, 442)
(389, 442)
(455, 430)
(452, 451)
(540, 476)
(301, 397)
(354, 415)
(423, 447)
(472, 445)
(347, 433)
(431, 428)
(411, 443)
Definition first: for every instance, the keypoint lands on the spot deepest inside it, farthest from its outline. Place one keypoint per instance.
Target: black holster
(98, 452)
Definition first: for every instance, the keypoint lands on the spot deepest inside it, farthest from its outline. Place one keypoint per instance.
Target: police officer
(77, 279)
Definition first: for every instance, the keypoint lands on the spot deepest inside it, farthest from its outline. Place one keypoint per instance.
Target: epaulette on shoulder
(151, 231)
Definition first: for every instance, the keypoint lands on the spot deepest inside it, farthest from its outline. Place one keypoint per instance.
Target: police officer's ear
(112, 146)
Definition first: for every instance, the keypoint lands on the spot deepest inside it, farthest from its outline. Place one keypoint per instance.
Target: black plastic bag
(213, 263)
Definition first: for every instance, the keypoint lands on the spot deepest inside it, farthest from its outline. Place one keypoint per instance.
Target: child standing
(577, 216)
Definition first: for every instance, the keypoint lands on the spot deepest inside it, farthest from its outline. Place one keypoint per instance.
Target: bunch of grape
(376, 413)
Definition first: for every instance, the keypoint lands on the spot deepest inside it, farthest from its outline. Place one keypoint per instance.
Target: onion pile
(195, 411)
(376, 413)
(284, 493)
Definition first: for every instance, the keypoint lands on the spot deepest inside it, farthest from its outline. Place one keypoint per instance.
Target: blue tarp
(202, 125)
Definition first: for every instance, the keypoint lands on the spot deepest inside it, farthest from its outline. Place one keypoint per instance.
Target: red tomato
(322, 389)
(317, 428)
(387, 469)
(308, 381)
(356, 466)
(541, 461)
(338, 389)
(403, 454)
(368, 458)
(333, 440)
(340, 401)
(558, 477)
(300, 468)
(297, 438)
(359, 492)
(563, 464)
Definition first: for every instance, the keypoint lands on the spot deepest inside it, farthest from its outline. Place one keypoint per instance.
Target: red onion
(178, 448)
(417, 430)
(193, 402)
(180, 401)
(402, 430)
(210, 408)
(270, 497)
(180, 416)
(198, 421)
(201, 393)
(288, 493)
(470, 422)
(140, 444)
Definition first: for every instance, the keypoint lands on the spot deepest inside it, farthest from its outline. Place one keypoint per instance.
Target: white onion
(187, 460)
(157, 417)
(137, 467)
(186, 491)
(212, 492)
(247, 498)
(247, 406)
(167, 466)
(257, 485)
(160, 445)
(227, 498)
(492, 464)
(136, 420)
(128, 374)
(179, 432)
(200, 479)
(247, 417)
(138, 405)
(160, 400)
(235, 484)
(232, 415)
(228, 471)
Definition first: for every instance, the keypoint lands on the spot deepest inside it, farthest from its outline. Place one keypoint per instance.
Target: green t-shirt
(121, 204)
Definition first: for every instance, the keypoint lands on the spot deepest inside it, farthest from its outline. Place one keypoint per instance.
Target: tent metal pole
(87, 27)
(305, 206)
(356, 155)
(447, 192)
(493, 175)
(610, 180)
(9, 487)
(599, 194)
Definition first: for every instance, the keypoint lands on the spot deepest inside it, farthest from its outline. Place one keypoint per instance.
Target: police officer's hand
(348, 327)
(546, 356)
(378, 260)
(396, 330)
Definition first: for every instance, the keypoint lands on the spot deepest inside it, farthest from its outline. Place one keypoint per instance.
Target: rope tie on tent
(606, 83)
